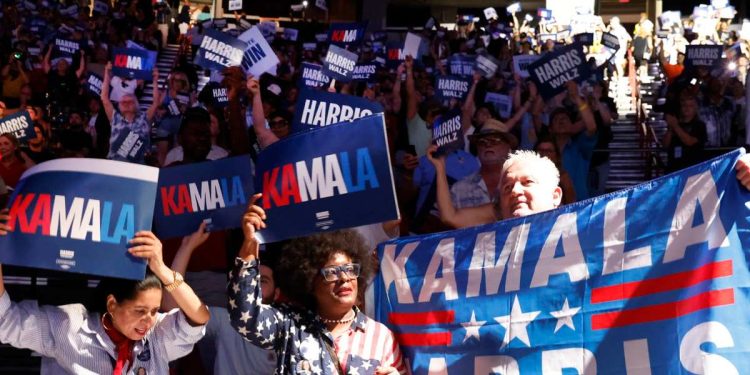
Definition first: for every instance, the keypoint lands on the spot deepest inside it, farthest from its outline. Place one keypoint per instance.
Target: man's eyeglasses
(332, 273)
(489, 141)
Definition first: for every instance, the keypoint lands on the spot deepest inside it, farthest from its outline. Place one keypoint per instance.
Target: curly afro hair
(303, 258)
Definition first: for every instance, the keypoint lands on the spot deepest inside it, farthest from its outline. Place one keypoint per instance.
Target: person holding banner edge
(324, 332)
(131, 335)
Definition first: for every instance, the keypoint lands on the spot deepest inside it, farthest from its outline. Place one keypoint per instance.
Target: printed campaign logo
(452, 87)
(339, 63)
(552, 71)
(65, 261)
(133, 63)
(649, 278)
(347, 34)
(19, 124)
(323, 220)
(218, 50)
(312, 75)
(461, 64)
(259, 57)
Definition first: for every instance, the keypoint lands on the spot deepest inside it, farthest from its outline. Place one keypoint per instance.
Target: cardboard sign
(574, 290)
(129, 147)
(259, 56)
(503, 104)
(487, 65)
(19, 124)
(544, 13)
(291, 34)
(346, 34)
(552, 71)
(94, 83)
(610, 44)
(513, 8)
(670, 18)
(339, 63)
(234, 5)
(218, 50)
(214, 191)
(317, 109)
(331, 178)
(462, 65)
(452, 87)
(447, 132)
(365, 72)
(66, 48)
(216, 94)
(312, 76)
(411, 45)
(586, 39)
(490, 14)
(395, 55)
(101, 7)
(77, 215)
(521, 64)
(702, 55)
(133, 63)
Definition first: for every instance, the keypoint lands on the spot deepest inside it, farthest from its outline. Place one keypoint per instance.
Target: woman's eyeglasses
(332, 273)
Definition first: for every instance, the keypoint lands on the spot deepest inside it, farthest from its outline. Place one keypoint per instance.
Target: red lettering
(183, 199)
(18, 211)
(393, 54)
(167, 201)
(269, 189)
(121, 60)
(289, 185)
(41, 216)
(337, 35)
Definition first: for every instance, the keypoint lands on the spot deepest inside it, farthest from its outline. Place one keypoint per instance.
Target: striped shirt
(74, 341)
(300, 338)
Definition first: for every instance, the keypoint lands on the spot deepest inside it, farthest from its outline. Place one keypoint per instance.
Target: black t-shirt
(682, 156)
(62, 89)
(40, 156)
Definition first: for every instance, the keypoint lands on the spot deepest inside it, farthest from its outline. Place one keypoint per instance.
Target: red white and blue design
(77, 215)
(649, 280)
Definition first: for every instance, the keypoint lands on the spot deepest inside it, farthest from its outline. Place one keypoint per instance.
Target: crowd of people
(315, 318)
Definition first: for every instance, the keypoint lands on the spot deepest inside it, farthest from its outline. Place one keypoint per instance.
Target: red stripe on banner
(663, 311)
(425, 339)
(422, 318)
(662, 284)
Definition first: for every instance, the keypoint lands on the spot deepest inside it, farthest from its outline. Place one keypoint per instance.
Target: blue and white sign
(702, 55)
(652, 279)
(461, 64)
(130, 147)
(447, 132)
(19, 124)
(218, 50)
(66, 48)
(365, 72)
(585, 39)
(552, 71)
(347, 34)
(94, 83)
(452, 87)
(521, 64)
(487, 65)
(339, 63)
(394, 54)
(316, 109)
(77, 215)
(312, 76)
(132, 63)
(503, 104)
(259, 56)
(331, 178)
(101, 7)
(214, 191)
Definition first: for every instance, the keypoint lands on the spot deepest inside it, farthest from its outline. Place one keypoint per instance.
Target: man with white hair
(529, 184)
(623, 37)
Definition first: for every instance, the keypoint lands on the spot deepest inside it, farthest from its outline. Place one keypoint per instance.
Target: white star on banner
(232, 304)
(245, 316)
(565, 316)
(236, 287)
(472, 327)
(515, 324)
(243, 331)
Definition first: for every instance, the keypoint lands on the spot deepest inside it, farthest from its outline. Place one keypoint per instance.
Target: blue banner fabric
(331, 178)
(77, 215)
(651, 279)
(316, 109)
(216, 191)
(133, 63)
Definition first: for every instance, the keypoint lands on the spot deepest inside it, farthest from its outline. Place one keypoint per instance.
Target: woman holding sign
(131, 336)
(324, 333)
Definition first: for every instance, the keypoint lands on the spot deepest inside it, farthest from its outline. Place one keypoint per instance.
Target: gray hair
(544, 169)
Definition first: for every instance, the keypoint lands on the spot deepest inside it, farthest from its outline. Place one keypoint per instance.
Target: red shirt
(12, 173)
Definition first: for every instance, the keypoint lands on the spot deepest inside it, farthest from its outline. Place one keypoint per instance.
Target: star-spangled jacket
(299, 336)
(73, 341)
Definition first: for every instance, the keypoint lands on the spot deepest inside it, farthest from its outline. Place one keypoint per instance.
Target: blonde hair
(544, 169)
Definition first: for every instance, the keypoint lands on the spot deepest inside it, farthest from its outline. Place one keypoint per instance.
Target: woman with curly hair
(323, 332)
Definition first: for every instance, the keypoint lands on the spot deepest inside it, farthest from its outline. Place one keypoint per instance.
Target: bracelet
(174, 284)
(582, 107)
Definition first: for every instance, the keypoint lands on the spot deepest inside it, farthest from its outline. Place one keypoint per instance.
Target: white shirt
(121, 87)
(74, 341)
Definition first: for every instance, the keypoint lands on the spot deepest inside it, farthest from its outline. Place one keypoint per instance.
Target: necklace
(347, 319)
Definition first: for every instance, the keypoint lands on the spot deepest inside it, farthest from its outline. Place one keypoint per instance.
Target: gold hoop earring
(104, 324)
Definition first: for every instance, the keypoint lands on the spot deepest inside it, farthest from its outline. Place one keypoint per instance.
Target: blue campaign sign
(331, 178)
(394, 54)
(130, 147)
(133, 63)
(702, 55)
(365, 72)
(94, 83)
(652, 278)
(19, 124)
(447, 132)
(217, 191)
(452, 87)
(339, 63)
(77, 215)
(461, 64)
(312, 76)
(317, 109)
(65, 48)
(347, 34)
(552, 71)
(219, 50)
(586, 39)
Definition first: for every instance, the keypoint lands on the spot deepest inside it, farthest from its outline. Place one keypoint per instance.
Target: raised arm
(397, 89)
(411, 92)
(81, 65)
(469, 106)
(239, 142)
(525, 107)
(106, 103)
(449, 214)
(182, 259)
(45, 62)
(265, 135)
(151, 111)
(583, 108)
(145, 245)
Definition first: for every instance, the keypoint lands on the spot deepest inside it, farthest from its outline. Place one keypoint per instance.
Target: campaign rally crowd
(474, 137)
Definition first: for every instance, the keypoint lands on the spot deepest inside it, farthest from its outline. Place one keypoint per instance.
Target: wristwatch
(176, 283)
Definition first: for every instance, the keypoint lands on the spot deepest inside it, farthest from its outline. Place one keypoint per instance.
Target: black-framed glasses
(332, 273)
(489, 141)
